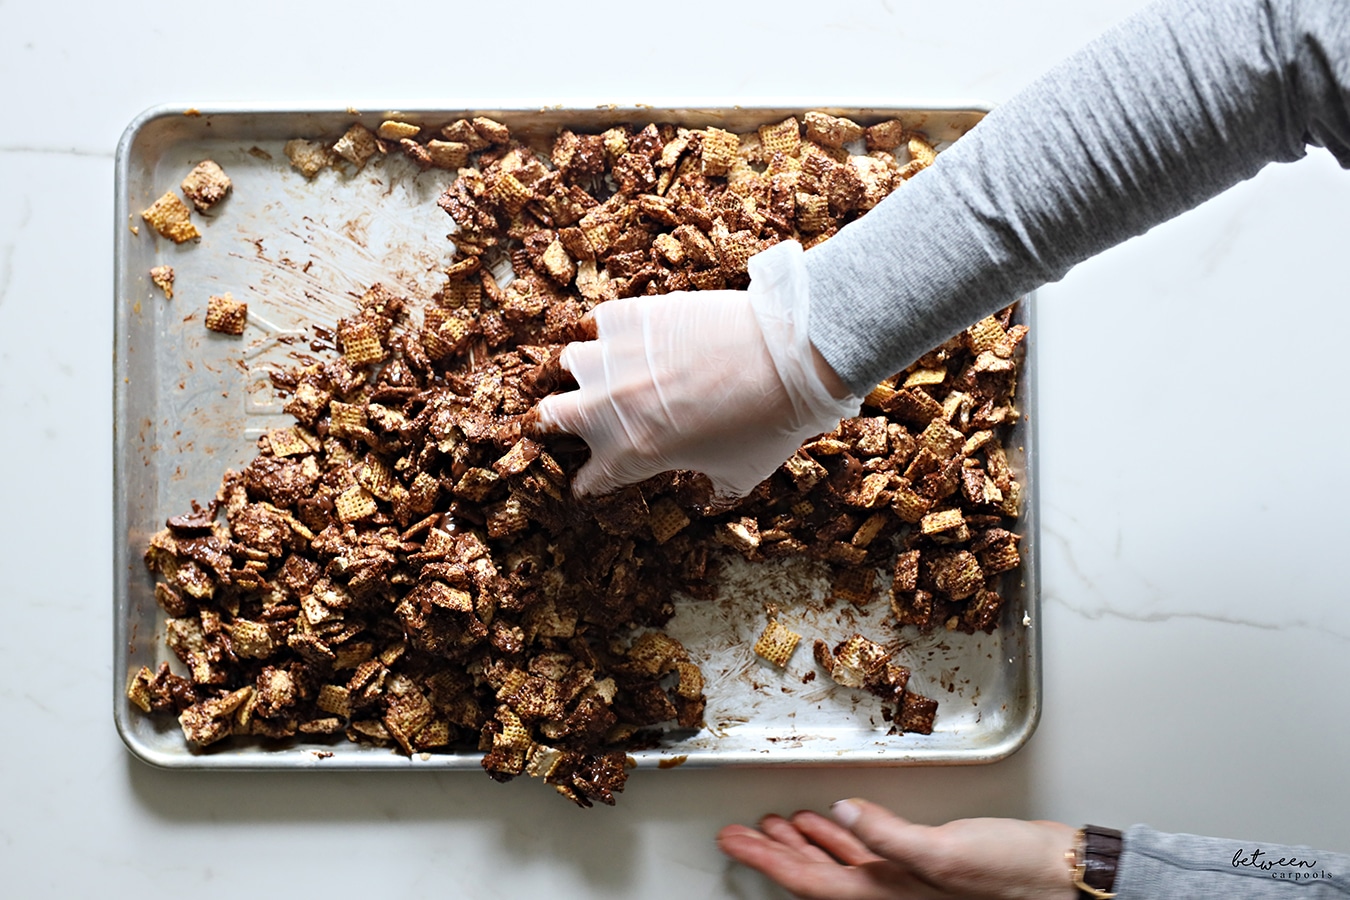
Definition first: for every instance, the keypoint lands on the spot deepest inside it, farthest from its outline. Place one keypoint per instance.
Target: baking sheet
(189, 403)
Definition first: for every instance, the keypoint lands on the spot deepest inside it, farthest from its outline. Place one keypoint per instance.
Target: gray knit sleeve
(1154, 866)
(1168, 109)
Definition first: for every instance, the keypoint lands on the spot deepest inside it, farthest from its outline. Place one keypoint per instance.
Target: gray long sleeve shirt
(1154, 865)
(1163, 112)
(1170, 108)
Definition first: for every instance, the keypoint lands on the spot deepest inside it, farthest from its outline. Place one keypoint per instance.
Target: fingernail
(846, 812)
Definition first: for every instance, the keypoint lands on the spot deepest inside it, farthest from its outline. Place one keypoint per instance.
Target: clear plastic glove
(725, 383)
(867, 853)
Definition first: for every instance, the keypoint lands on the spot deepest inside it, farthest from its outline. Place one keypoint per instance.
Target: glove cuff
(780, 296)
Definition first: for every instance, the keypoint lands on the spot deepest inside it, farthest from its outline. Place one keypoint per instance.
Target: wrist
(1055, 881)
(779, 295)
(828, 376)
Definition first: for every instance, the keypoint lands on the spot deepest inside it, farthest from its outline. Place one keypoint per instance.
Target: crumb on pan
(162, 277)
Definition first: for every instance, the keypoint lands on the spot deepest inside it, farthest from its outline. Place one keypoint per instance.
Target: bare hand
(871, 854)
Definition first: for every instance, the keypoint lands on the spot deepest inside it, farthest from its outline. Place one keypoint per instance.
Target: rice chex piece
(509, 192)
(906, 571)
(1001, 557)
(908, 505)
(871, 493)
(941, 439)
(854, 585)
(734, 251)
(226, 315)
(869, 529)
(354, 504)
(206, 185)
(886, 135)
(507, 518)
(806, 472)
(476, 483)
(832, 131)
(375, 476)
(922, 377)
(416, 152)
(393, 130)
(959, 575)
(982, 613)
(138, 689)
(783, 137)
(666, 519)
(250, 639)
(307, 157)
(813, 213)
(357, 145)
(462, 131)
(845, 554)
(719, 149)
(921, 152)
(917, 713)
(346, 419)
(360, 342)
(171, 218)
(942, 520)
(996, 461)
(518, 458)
(447, 154)
(491, 130)
(915, 406)
(742, 535)
(984, 335)
(856, 659)
(777, 643)
(335, 699)
(287, 442)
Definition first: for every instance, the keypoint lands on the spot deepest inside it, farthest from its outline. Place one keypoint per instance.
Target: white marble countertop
(1195, 621)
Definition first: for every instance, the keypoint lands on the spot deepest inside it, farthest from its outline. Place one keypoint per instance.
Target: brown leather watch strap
(1096, 856)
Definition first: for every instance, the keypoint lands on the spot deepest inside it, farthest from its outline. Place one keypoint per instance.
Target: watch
(1093, 860)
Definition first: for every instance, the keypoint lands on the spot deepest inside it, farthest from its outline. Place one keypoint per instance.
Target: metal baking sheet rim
(319, 756)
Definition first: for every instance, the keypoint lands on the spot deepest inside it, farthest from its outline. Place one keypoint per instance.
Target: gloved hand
(725, 383)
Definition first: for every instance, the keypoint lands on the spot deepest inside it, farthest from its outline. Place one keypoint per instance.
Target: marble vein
(57, 151)
(1105, 610)
(1082, 576)
(6, 269)
(1102, 612)
(7, 251)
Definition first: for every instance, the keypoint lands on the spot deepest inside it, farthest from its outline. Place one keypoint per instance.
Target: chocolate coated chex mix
(407, 566)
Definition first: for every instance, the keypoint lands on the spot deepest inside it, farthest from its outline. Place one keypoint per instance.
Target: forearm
(1163, 112)
(1155, 865)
